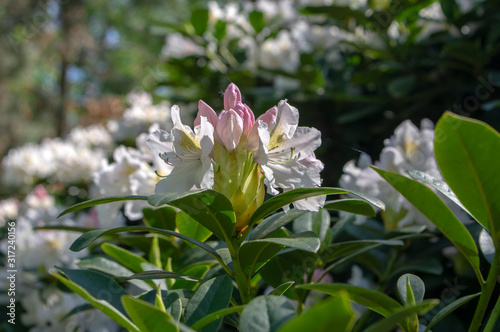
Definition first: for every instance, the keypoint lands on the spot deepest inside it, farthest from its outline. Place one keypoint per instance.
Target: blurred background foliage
(354, 69)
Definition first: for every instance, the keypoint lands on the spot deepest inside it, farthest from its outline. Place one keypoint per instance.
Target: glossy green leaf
(266, 314)
(254, 254)
(439, 185)
(190, 227)
(343, 249)
(210, 297)
(351, 205)
(132, 261)
(100, 201)
(487, 246)
(87, 238)
(148, 317)
(162, 217)
(388, 324)
(273, 222)
(372, 299)
(467, 154)
(449, 309)
(427, 202)
(197, 272)
(281, 289)
(95, 288)
(208, 207)
(317, 222)
(335, 314)
(215, 316)
(417, 288)
(294, 195)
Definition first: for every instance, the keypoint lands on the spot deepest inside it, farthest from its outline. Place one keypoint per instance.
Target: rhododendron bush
(215, 210)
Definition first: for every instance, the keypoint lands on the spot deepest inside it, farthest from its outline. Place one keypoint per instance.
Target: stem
(241, 279)
(495, 313)
(486, 291)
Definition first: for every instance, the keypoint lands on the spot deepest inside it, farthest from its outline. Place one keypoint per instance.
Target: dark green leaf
(208, 207)
(373, 300)
(256, 19)
(100, 201)
(449, 309)
(351, 205)
(162, 218)
(389, 323)
(427, 202)
(95, 288)
(294, 195)
(215, 316)
(266, 314)
(272, 223)
(210, 297)
(87, 238)
(197, 272)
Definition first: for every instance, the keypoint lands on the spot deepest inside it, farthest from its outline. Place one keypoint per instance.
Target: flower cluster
(236, 154)
(408, 149)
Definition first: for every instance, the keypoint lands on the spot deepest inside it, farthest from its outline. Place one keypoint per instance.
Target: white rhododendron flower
(235, 154)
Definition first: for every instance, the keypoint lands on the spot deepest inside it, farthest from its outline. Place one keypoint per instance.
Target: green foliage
(266, 313)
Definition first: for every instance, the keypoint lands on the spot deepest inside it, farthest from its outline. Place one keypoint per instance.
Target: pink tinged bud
(269, 117)
(247, 115)
(229, 129)
(207, 112)
(232, 96)
(40, 191)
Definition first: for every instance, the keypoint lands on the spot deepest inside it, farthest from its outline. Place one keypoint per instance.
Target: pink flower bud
(206, 111)
(232, 96)
(229, 129)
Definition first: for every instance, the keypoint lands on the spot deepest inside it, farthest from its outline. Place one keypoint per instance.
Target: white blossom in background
(141, 114)
(22, 166)
(179, 47)
(129, 174)
(95, 136)
(410, 148)
(9, 209)
(45, 308)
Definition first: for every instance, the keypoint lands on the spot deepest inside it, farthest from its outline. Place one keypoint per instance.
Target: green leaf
(449, 309)
(220, 30)
(210, 297)
(163, 217)
(266, 314)
(341, 13)
(372, 299)
(147, 317)
(199, 20)
(346, 248)
(254, 254)
(317, 222)
(416, 286)
(351, 205)
(401, 86)
(427, 202)
(190, 227)
(100, 201)
(215, 316)
(294, 195)
(95, 288)
(197, 272)
(439, 185)
(158, 274)
(131, 260)
(487, 246)
(87, 238)
(256, 19)
(208, 207)
(273, 222)
(389, 323)
(467, 155)
(281, 289)
(335, 314)
(450, 9)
